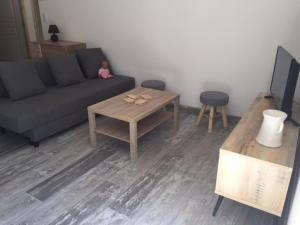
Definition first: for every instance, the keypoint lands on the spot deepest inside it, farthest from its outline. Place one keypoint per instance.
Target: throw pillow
(66, 70)
(21, 80)
(90, 61)
(44, 71)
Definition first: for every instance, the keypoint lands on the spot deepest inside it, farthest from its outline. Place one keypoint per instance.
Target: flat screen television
(284, 87)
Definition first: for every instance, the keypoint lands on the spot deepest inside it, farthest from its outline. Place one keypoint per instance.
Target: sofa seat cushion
(21, 79)
(66, 70)
(58, 102)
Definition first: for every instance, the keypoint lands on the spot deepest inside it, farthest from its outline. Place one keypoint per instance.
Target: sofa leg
(34, 143)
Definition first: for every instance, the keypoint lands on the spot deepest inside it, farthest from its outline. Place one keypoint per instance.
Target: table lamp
(53, 29)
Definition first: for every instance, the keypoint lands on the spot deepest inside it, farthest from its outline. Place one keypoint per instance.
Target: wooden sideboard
(250, 173)
(49, 48)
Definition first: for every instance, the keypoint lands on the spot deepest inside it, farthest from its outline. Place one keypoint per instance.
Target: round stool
(213, 100)
(154, 84)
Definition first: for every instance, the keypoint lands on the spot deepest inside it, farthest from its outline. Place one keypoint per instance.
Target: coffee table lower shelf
(120, 130)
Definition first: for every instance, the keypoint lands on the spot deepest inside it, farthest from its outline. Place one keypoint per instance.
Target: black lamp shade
(53, 29)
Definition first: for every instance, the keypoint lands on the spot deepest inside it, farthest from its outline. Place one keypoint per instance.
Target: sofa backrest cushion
(90, 61)
(44, 71)
(66, 70)
(20, 79)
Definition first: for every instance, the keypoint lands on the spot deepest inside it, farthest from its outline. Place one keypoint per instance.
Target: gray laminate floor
(66, 181)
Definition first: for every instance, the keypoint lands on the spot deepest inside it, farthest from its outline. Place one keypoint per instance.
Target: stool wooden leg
(201, 114)
(224, 118)
(211, 119)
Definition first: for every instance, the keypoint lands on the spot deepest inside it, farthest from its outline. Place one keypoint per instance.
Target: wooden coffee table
(128, 121)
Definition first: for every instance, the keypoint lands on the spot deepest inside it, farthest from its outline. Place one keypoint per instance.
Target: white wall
(193, 45)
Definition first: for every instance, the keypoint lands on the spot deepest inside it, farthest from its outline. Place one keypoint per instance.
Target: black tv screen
(284, 82)
(296, 105)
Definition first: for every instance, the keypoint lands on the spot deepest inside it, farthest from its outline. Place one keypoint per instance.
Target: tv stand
(250, 173)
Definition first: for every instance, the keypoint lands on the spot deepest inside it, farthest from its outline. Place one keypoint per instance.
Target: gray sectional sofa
(42, 97)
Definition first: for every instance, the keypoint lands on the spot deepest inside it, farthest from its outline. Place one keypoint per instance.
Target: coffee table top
(117, 108)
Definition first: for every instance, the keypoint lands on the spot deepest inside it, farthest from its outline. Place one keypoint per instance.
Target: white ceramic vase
(271, 130)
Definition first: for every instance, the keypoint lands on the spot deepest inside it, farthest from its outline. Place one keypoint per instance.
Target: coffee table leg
(133, 140)
(92, 127)
(176, 112)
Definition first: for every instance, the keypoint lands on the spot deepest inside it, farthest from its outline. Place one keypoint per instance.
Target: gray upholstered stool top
(214, 98)
(154, 84)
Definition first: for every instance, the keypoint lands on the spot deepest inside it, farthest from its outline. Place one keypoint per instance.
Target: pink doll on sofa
(104, 72)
